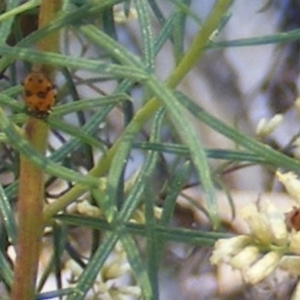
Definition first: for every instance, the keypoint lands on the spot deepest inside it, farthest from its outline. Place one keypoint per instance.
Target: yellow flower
(225, 248)
(121, 17)
(258, 223)
(87, 209)
(295, 243)
(139, 215)
(268, 233)
(262, 268)
(291, 264)
(297, 104)
(296, 294)
(291, 184)
(114, 280)
(266, 127)
(245, 257)
(296, 147)
(277, 223)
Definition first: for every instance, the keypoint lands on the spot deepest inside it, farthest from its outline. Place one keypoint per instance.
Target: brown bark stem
(31, 181)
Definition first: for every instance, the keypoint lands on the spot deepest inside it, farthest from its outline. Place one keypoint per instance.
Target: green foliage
(103, 157)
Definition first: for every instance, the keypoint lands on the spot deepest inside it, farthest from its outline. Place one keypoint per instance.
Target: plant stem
(31, 182)
(30, 221)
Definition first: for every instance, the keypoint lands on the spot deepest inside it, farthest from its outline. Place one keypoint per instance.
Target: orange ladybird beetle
(39, 94)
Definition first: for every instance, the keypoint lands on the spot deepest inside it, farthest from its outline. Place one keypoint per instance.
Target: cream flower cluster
(86, 208)
(114, 280)
(266, 127)
(121, 17)
(271, 243)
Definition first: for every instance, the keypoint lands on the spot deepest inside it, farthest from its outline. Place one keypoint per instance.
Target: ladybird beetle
(39, 94)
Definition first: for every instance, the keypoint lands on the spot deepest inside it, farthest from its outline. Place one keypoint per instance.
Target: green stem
(199, 43)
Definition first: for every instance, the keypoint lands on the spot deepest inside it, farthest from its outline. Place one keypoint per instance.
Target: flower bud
(262, 268)
(295, 243)
(266, 127)
(115, 270)
(258, 223)
(291, 264)
(87, 209)
(297, 105)
(296, 148)
(291, 184)
(227, 247)
(296, 294)
(277, 223)
(245, 257)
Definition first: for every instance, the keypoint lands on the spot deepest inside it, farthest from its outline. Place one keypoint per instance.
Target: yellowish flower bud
(291, 263)
(245, 258)
(297, 104)
(224, 248)
(130, 290)
(266, 127)
(291, 184)
(115, 270)
(120, 17)
(296, 150)
(157, 212)
(85, 208)
(262, 268)
(296, 294)
(75, 269)
(258, 223)
(139, 215)
(295, 243)
(277, 223)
